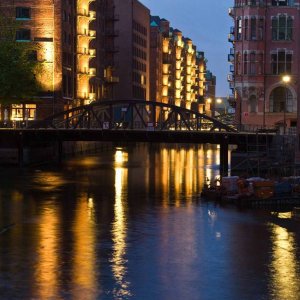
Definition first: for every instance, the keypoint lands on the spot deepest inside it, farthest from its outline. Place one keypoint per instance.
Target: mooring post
(224, 157)
(21, 149)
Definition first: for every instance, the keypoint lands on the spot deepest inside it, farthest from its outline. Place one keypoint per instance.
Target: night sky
(207, 23)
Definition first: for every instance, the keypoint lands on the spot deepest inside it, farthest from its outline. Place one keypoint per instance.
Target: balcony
(231, 11)
(91, 15)
(92, 96)
(231, 58)
(231, 68)
(92, 72)
(86, 51)
(230, 78)
(231, 85)
(91, 34)
(231, 31)
(231, 51)
(230, 38)
(112, 79)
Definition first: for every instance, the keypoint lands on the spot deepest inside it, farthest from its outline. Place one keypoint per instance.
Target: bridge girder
(132, 114)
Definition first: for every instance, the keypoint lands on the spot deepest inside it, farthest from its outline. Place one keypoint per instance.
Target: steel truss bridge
(132, 114)
(129, 121)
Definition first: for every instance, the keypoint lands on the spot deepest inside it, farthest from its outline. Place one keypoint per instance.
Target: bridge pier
(21, 149)
(224, 157)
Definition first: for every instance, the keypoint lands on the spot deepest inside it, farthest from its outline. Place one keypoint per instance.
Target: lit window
(17, 112)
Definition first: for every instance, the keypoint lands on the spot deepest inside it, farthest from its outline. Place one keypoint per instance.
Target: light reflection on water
(119, 228)
(285, 266)
(128, 224)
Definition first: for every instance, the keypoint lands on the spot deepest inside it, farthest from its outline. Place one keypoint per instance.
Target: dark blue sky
(207, 23)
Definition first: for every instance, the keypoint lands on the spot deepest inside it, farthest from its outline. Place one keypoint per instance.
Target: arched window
(253, 104)
(281, 100)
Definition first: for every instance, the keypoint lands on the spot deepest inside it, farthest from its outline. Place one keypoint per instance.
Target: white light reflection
(284, 265)
(119, 228)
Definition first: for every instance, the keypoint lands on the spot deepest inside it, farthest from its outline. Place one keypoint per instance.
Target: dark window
(282, 28)
(260, 29)
(245, 63)
(252, 64)
(253, 29)
(246, 29)
(22, 12)
(23, 35)
(282, 2)
(281, 62)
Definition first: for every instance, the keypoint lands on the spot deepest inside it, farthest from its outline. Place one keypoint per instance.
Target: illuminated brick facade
(76, 68)
(177, 68)
(265, 47)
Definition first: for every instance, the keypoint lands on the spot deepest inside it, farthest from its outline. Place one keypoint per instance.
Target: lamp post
(286, 79)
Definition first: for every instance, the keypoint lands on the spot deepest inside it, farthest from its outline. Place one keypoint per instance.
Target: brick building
(74, 39)
(265, 48)
(104, 49)
(133, 50)
(177, 68)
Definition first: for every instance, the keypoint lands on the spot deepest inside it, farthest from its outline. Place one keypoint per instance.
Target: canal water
(128, 223)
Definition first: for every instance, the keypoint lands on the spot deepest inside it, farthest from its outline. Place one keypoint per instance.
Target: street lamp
(286, 79)
(220, 101)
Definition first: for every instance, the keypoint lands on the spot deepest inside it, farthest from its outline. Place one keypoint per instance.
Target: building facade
(177, 68)
(90, 50)
(74, 51)
(265, 48)
(132, 50)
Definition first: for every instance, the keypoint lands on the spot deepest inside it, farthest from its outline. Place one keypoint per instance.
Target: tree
(17, 65)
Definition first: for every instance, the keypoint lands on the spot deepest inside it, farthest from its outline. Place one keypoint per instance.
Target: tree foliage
(17, 66)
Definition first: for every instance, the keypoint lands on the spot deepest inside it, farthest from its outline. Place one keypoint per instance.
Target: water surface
(128, 223)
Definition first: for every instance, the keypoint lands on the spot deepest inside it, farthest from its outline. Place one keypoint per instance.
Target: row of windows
(253, 64)
(140, 41)
(239, 3)
(139, 53)
(139, 28)
(282, 28)
(139, 66)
